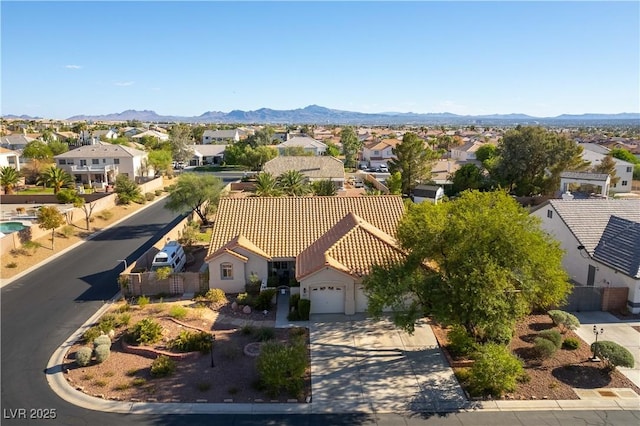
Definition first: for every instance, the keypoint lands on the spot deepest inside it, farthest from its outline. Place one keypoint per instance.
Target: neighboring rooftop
(313, 167)
(101, 149)
(619, 246)
(599, 177)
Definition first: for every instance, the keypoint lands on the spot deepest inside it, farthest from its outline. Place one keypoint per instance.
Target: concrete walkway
(615, 330)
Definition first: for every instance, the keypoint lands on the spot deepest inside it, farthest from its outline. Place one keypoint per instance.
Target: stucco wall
(235, 285)
(329, 276)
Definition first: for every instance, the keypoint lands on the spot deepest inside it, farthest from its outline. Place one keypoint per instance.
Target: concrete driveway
(359, 365)
(615, 330)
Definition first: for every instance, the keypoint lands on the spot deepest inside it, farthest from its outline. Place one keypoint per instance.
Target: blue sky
(185, 58)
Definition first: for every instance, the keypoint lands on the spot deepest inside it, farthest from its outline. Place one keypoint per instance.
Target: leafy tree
(613, 354)
(351, 145)
(9, 178)
(480, 262)
(532, 158)
(332, 149)
(37, 150)
(180, 137)
(255, 158)
(127, 190)
(394, 183)
(486, 152)
(58, 147)
(466, 177)
(324, 187)
(623, 154)
(49, 217)
(160, 160)
(261, 137)
(294, 183)
(267, 185)
(195, 192)
(413, 161)
(55, 178)
(608, 167)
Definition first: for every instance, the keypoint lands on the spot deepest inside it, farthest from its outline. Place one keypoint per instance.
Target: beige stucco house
(326, 245)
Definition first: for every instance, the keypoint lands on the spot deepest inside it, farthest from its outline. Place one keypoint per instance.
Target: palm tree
(324, 187)
(56, 178)
(294, 183)
(267, 185)
(9, 177)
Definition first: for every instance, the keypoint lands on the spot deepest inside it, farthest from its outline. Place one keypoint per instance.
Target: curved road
(43, 308)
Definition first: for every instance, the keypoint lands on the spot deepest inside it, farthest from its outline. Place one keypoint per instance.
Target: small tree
(9, 178)
(195, 192)
(564, 320)
(56, 178)
(49, 217)
(613, 354)
(127, 190)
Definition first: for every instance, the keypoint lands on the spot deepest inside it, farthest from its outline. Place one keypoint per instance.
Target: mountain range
(314, 114)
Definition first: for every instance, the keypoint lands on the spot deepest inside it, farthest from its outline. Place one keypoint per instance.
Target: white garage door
(362, 300)
(327, 299)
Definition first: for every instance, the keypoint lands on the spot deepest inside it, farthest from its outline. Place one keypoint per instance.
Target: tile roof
(303, 141)
(352, 245)
(619, 246)
(585, 176)
(313, 167)
(382, 144)
(587, 219)
(284, 226)
(242, 242)
(100, 150)
(207, 150)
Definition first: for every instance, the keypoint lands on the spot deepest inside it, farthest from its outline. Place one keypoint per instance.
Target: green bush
(158, 192)
(163, 273)
(495, 371)
(83, 356)
(123, 319)
(263, 301)
(613, 354)
(553, 336)
(162, 366)
(253, 285)
(149, 196)
(264, 334)
(304, 307)
(570, 343)
(142, 301)
(294, 299)
(273, 281)
(460, 343)
(294, 313)
(544, 348)
(462, 374)
(178, 312)
(102, 352)
(91, 334)
(105, 214)
(564, 320)
(107, 323)
(125, 307)
(145, 331)
(191, 341)
(103, 339)
(216, 295)
(282, 367)
(67, 231)
(245, 299)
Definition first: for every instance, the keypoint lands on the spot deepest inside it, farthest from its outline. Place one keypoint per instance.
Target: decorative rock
(246, 309)
(234, 306)
(111, 334)
(534, 397)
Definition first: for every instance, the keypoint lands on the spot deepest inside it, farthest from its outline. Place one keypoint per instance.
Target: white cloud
(73, 67)
(123, 83)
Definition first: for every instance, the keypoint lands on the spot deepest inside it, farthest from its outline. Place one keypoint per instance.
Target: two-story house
(309, 145)
(221, 136)
(379, 152)
(595, 153)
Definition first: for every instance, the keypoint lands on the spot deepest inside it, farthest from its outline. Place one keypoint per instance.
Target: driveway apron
(364, 365)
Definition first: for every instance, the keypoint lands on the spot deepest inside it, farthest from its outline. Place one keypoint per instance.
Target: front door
(591, 276)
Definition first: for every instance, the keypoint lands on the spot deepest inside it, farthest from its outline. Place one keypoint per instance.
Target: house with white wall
(595, 153)
(466, 152)
(9, 158)
(308, 144)
(320, 246)
(601, 240)
(378, 152)
(220, 136)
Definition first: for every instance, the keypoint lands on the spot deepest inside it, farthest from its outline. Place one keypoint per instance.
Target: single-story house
(218, 136)
(601, 240)
(9, 158)
(326, 245)
(309, 145)
(162, 137)
(430, 193)
(99, 164)
(16, 141)
(312, 167)
(207, 154)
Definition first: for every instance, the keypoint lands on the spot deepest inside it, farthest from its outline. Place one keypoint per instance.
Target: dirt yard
(554, 378)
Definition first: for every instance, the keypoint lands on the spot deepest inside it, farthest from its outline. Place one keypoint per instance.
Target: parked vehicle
(172, 255)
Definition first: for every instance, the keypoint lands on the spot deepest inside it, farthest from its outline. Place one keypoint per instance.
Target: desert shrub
(102, 352)
(67, 231)
(263, 301)
(570, 343)
(247, 329)
(245, 299)
(123, 319)
(178, 312)
(131, 372)
(282, 367)
(162, 366)
(100, 383)
(158, 192)
(564, 320)
(91, 333)
(122, 386)
(103, 339)
(462, 374)
(145, 331)
(163, 273)
(12, 265)
(105, 215)
(524, 377)
(460, 343)
(216, 295)
(125, 307)
(613, 354)
(297, 331)
(495, 371)
(83, 356)
(544, 348)
(31, 245)
(139, 381)
(553, 336)
(304, 307)
(142, 301)
(191, 341)
(265, 333)
(19, 252)
(149, 196)
(253, 284)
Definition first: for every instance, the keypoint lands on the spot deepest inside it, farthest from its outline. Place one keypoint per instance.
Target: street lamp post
(213, 339)
(597, 332)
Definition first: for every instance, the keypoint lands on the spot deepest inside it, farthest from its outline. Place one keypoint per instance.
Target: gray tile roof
(209, 150)
(101, 150)
(303, 141)
(311, 166)
(619, 246)
(587, 219)
(585, 176)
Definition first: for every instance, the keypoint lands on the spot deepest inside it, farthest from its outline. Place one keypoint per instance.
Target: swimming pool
(9, 227)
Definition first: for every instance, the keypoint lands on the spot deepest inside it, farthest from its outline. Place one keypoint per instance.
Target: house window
(629, 170)
(226, 271)
(550, 214)
(104, 160)
(83, 163)
(116, 161)
(624, 183)
(62, 162)
(95, 161)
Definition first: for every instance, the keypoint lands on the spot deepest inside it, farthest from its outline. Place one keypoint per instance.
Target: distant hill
(20, 117)
(315, 114)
